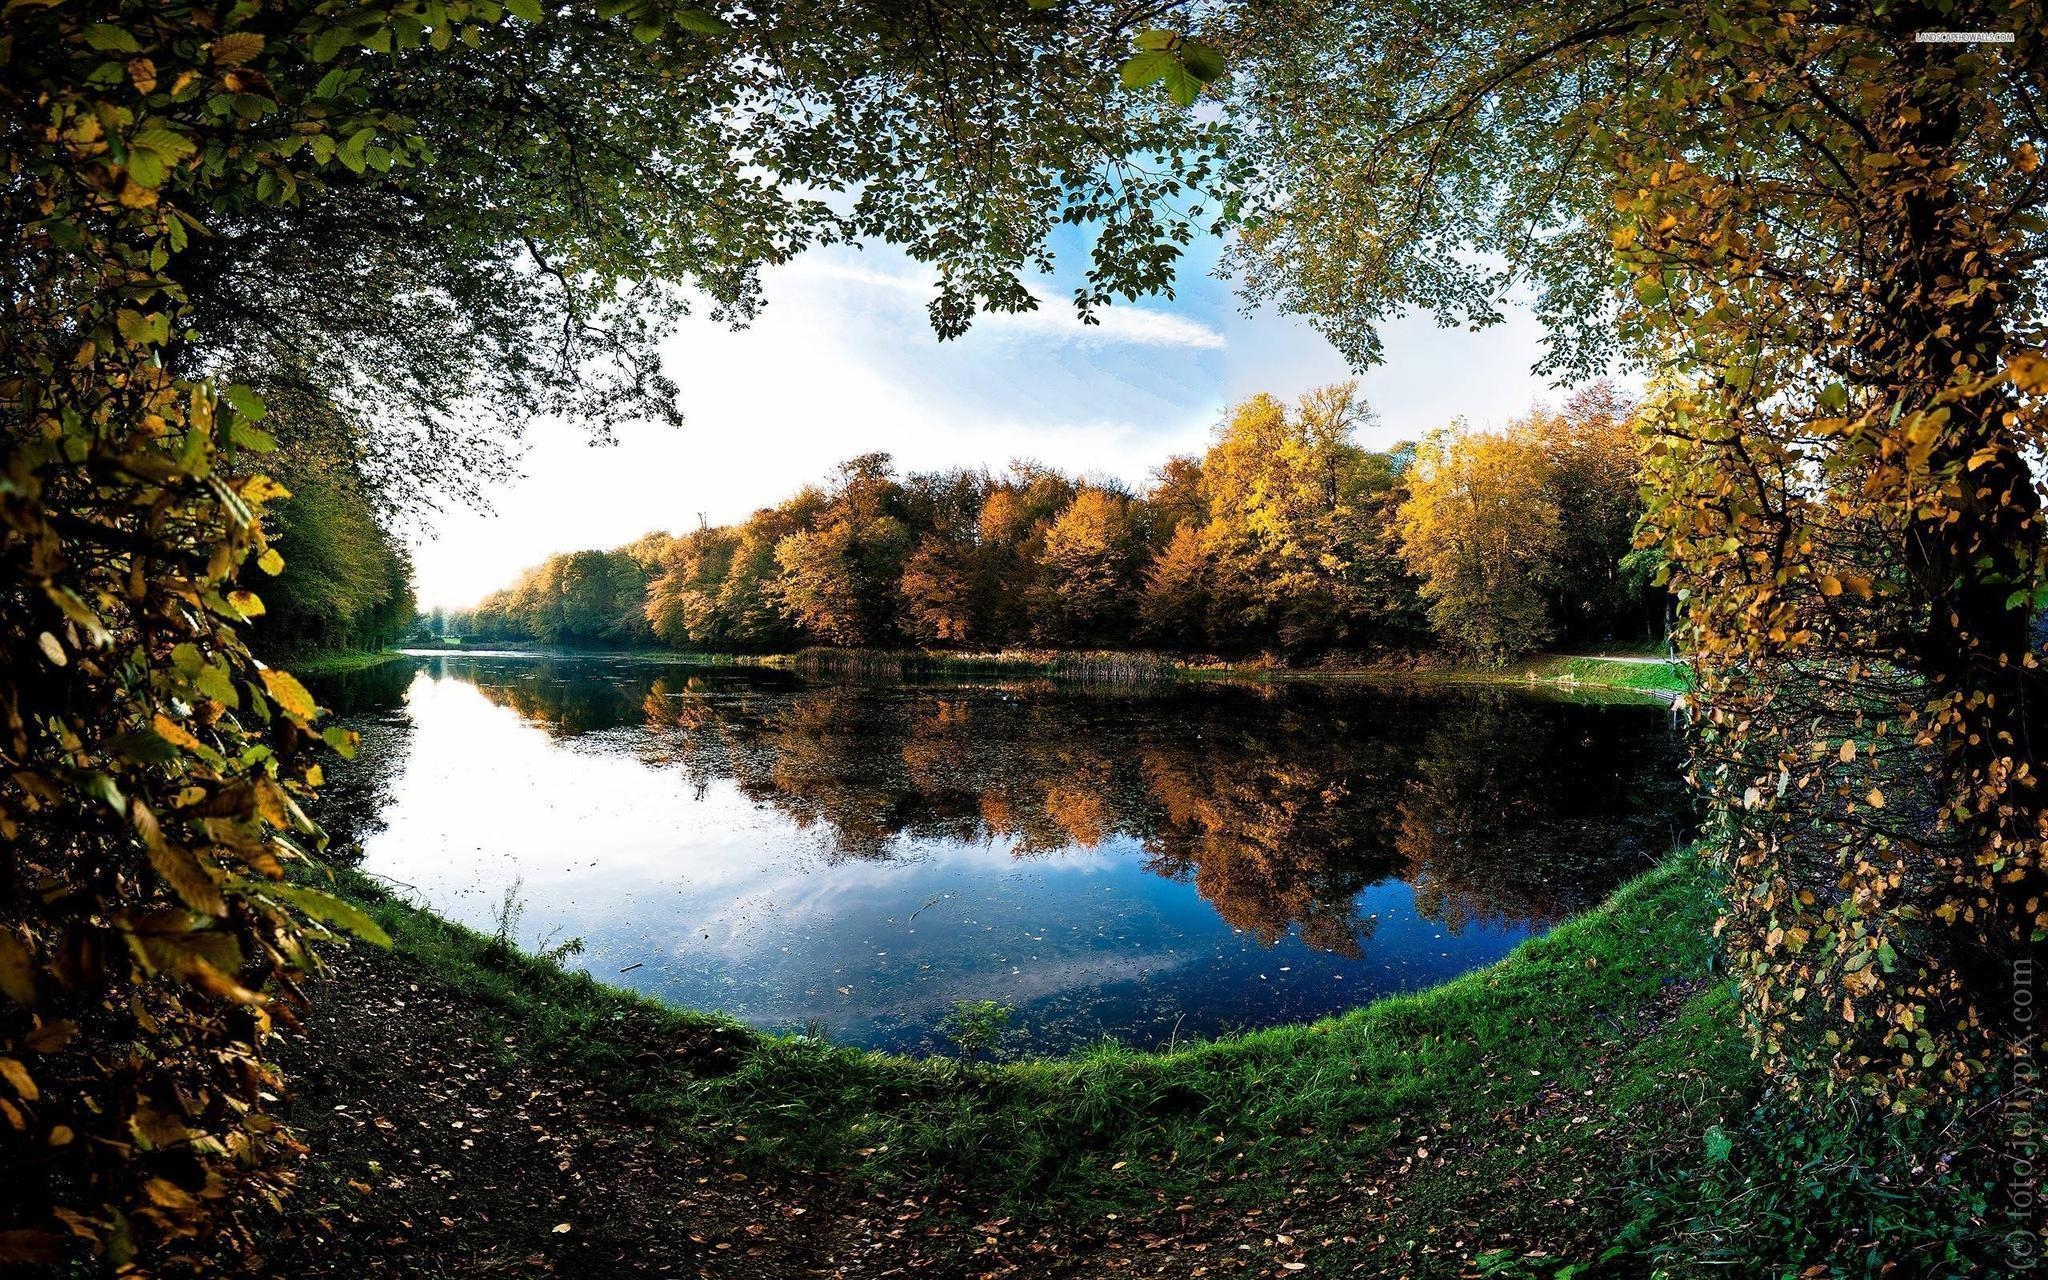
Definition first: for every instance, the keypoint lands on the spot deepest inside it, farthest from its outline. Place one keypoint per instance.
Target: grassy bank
(334, 664)
(1505, 1109)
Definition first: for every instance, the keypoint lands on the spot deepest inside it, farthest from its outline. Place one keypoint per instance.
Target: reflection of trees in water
(1513, 816)
(352, 802)
(568, 698)
(1278, 814)
(1281, 804)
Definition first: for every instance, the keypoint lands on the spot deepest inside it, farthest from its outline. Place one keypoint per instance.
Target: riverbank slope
(474, 1111)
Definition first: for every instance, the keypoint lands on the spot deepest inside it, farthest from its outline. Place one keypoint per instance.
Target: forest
(286, 279)
(1286, 537)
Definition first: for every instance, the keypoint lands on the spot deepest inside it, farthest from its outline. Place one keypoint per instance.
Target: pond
(850, 858)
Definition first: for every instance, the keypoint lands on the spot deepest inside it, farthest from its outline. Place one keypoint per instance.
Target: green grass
(330, 664)
(1114, 1129)
(1664, 676)
(1588, 1100)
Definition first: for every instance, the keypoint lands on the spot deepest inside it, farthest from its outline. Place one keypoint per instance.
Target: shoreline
(1412, 1107)
(1665, 679)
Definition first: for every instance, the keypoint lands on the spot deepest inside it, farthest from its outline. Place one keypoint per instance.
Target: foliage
(1771, 1191)
(1480, 527)
(344, 585)
(1283, 536)
(977, 1026)
(1520, 536)
(395, 228)
(1822, 234)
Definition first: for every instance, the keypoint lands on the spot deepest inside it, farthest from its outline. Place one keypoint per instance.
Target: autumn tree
(371, 215)
(1830, 236)
(1089, 570)
(943, 601)
(1019, 510)
(1298, 525)
(1597, 590)
(1175, 605)
(683, 596)
(1480, 527)
(839, 580)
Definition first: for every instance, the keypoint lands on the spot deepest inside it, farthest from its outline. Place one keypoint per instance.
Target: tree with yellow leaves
(1480, 527)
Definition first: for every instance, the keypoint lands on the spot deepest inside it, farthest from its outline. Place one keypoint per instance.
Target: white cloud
(843, 362)
(1054, 318)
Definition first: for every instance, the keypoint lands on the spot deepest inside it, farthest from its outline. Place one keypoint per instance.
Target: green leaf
(351, 152)
(144, 746)
(1719, 1145)
(524, 10)
(108, 38)
(146, 168)
(166, 144)
(701, 21)
(1156, 39)
(104, 788)
(136, 327)
(329, 909)
(246, 402)
(1182, 85)
(215, 684)
(1203, 61)
(1147, 68)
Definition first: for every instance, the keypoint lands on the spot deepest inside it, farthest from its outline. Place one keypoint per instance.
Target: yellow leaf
(1830, 585)
(169, 1195)
(189, 877)
(18, 1077)
(17, 970)
(247, 603)
(51, 649)
(1875, 799)
(236, 48)
(1848, 751)
(261, 489)
(2029, 371)
(289, 694)
(174, 733)
(270, 562)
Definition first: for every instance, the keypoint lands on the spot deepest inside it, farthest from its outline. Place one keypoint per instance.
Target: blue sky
(843, 362)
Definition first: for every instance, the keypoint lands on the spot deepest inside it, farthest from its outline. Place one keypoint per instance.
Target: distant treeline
(346, 582)
(1285, 536)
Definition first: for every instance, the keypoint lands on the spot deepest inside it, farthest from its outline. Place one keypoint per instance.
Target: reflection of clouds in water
(940, 884)
(759, 853)
(1018, 986)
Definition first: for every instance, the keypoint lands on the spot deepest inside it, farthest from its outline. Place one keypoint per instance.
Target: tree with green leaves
(1821, 235)
(388, 233)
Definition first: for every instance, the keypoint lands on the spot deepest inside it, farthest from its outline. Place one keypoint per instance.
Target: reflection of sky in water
(725, 903)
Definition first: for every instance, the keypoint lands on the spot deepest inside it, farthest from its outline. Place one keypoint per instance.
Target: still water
(851, 858)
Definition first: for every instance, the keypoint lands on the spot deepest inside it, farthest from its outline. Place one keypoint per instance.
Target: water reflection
(1137, 863)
